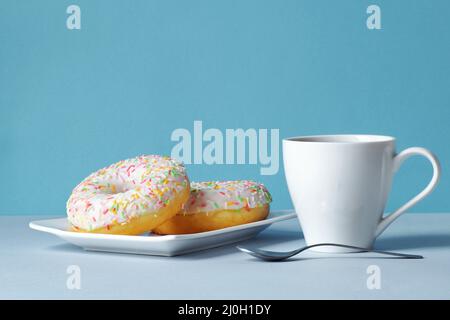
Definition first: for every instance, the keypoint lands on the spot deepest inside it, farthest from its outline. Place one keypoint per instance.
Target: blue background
(74, 101)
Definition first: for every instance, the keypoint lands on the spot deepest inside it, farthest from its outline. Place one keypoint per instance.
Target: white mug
(339, 185)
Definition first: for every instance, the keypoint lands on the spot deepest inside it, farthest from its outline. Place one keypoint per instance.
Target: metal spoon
(279, 256)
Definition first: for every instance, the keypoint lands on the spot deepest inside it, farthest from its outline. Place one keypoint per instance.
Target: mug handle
(398, 160)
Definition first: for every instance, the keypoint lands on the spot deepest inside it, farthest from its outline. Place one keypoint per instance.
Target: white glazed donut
(217, 205)
(129, 197)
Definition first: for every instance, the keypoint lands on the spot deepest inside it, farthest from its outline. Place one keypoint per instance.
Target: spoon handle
(389, 253)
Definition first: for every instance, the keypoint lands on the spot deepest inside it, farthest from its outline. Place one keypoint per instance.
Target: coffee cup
(339, 185)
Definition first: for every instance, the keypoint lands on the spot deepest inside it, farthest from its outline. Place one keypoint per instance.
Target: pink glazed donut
(219, 204)
(129, 197)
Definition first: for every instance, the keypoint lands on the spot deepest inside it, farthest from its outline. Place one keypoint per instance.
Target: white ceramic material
(339, 185)
(169, 245)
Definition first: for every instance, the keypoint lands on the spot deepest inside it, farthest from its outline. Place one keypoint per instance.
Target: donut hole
(122, 188)
(113, 188)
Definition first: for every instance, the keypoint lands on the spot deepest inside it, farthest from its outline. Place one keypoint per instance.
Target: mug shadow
(413, 242)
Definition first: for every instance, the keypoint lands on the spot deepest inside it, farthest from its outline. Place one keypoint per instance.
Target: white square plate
(149, 244)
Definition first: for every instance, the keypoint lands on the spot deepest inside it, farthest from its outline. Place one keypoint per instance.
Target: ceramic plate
(149, 244)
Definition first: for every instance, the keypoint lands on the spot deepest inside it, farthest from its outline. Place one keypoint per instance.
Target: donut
(129, 197)
(217, 205)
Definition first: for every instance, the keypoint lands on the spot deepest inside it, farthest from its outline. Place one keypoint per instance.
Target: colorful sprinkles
(126, 189)
(229, 195)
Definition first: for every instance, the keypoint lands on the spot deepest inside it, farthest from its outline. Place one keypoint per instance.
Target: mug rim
(341, 139)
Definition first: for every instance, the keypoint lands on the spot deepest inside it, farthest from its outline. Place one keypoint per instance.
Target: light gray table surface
(33, 265)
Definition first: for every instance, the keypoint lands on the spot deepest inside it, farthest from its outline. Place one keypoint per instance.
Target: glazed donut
(129, 197)
(217, 205)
